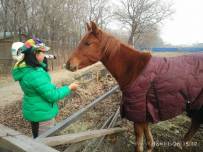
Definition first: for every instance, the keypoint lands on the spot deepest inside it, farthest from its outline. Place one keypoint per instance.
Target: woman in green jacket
(39, 103)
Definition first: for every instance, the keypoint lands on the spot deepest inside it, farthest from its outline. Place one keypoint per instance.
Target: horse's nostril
(67, 66)
(70, 67)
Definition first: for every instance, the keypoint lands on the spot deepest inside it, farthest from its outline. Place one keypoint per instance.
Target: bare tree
(4, 15)
(51, 19)
(14, 16)
(140, 16)
(59, 23)
(98, 11)
(149, 39)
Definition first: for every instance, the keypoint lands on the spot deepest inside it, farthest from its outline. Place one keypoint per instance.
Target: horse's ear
(94, 28)
(88, 27)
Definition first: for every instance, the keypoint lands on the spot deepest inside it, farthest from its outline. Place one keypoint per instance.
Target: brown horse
(147, 83)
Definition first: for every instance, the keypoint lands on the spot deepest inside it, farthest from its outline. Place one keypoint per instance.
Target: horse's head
(89, 50)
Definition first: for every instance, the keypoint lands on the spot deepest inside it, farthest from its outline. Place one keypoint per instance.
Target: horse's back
(163, 87)
(185, 75)
(179, 81)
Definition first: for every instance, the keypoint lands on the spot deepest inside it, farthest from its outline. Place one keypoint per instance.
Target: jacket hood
(18, 72)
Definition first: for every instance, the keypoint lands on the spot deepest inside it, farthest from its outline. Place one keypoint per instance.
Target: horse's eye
(87, 43)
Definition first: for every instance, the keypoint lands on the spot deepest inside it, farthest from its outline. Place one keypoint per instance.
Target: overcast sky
(186, 25)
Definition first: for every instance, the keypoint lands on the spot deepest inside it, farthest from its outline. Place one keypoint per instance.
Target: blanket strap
(187, 102)
(198, 96)
(156, 96)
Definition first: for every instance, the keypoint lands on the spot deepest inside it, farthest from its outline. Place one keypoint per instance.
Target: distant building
(175, 49)
(6, 60)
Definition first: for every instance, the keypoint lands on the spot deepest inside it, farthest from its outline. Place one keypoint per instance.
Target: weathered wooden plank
(76, 115)
(78, 137)
(13, 140)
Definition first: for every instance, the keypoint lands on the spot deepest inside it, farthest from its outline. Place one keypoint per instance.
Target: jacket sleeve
(42, 84)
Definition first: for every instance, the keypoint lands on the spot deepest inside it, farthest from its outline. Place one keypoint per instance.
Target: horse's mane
(132, 59)
(117, 43)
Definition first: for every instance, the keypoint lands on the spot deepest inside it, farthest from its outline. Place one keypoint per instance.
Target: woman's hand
(73, 86)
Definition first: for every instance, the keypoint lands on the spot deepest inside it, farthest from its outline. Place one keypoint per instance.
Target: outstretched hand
(73, 86)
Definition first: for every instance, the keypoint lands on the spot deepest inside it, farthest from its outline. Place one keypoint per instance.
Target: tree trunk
(130, 40)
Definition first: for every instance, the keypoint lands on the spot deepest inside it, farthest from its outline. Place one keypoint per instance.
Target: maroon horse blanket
(162, 89)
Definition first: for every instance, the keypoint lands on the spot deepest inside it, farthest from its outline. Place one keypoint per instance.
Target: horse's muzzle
(70, 67)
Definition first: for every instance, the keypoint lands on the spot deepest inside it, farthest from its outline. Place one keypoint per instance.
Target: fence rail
(61, 125)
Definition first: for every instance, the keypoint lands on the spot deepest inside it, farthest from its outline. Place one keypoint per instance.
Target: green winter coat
(40, 94)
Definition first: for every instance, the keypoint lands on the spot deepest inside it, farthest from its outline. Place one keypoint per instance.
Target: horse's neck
(125, 64)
